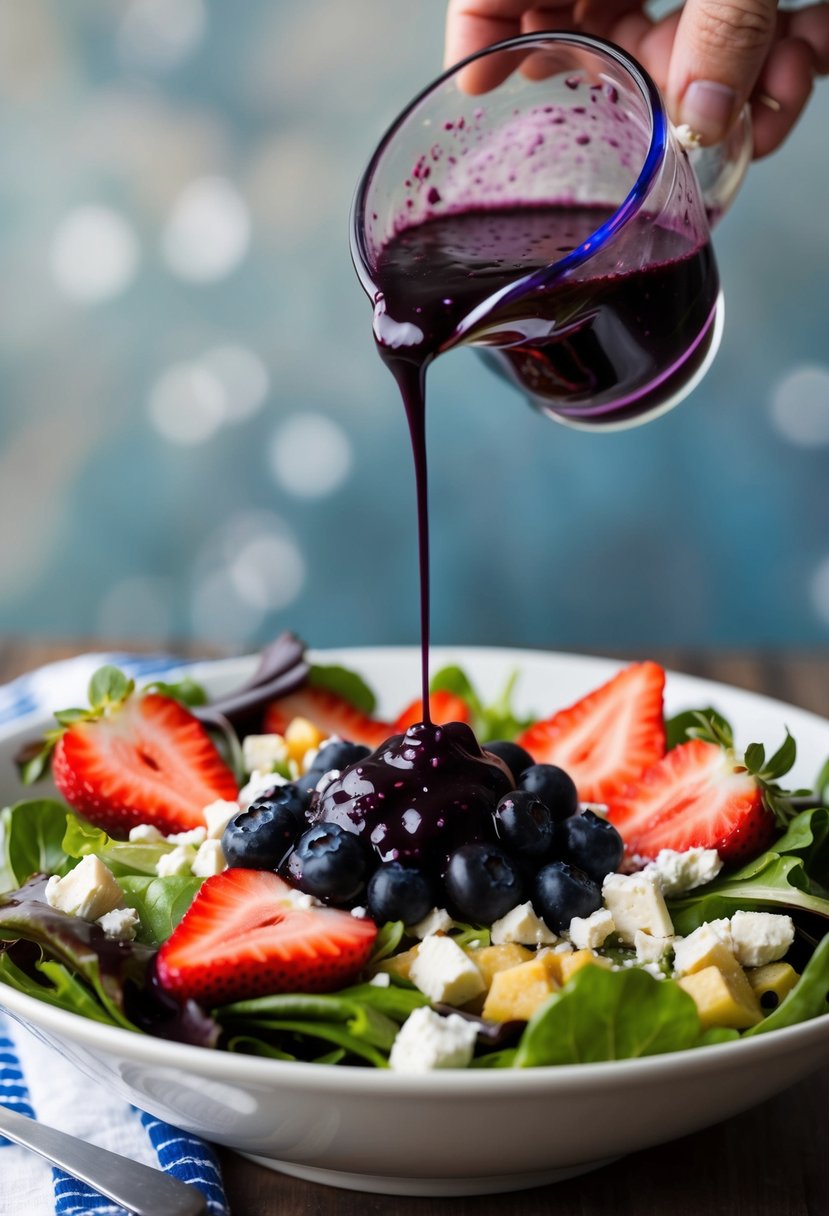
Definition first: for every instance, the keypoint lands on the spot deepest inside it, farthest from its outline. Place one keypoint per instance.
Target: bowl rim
(48, 1020)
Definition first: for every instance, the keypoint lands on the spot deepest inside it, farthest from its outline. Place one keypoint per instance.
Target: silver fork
(138, 1188)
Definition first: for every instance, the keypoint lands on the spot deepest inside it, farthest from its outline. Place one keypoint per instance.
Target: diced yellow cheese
(491, 959)
(723, 998)
(301, 736)
(400, 964)
(772, 982)
(568, 964)
(516, 993)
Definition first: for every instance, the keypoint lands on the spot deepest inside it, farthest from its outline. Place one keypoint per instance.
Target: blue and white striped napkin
(38, 1082)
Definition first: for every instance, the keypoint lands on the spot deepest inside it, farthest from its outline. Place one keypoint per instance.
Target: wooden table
(770, 1161)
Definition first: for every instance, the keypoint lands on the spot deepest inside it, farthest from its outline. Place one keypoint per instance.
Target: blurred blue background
(198, 442)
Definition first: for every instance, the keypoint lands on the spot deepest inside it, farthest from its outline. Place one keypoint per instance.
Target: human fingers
(718, 54)
(782, 91)
(472, 25)
(811, 25)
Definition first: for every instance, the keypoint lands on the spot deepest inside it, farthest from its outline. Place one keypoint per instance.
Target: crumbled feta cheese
(444, 973)
(436, 921)
(178, 861)
(381, 980)
(217, 815)
(301, 899)
(691, 950)
(427, 1041)
(145, 833)
(120, 924)
(260, 783)
(635, 901)
(360, 912)
(563, 948)
(209, 859)
(263, 752)
(194, 836)
(88, 891)
(521, 925)
(687, 137)
(761, 937)
(681, 872)
(590, 932)
(651, 949)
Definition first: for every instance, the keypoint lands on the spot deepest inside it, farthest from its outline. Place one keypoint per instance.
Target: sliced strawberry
(331, 714)
(697, 795)
(243, 936)
(443, 707)
(608, 737)
(147, 760)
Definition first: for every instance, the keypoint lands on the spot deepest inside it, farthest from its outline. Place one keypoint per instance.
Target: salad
(279, 872)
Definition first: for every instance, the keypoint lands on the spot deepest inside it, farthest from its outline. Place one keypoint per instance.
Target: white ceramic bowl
(449, 1133)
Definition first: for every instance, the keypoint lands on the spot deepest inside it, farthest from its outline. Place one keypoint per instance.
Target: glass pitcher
(555, 220)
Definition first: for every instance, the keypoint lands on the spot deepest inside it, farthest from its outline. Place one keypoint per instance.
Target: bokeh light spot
(208, 230)
(310, 455)
(243, 377)
(250, 566)
(159, 34)
(187, 404)
(800, 406)
(95, 254)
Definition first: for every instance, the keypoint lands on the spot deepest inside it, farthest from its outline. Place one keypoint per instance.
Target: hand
(709, 57)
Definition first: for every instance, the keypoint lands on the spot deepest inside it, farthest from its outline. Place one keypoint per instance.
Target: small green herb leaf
(346, 684)
(109, 686)
(186, 691)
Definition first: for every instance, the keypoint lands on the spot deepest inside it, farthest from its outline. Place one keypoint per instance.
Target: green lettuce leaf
(793, 874)
(497, 720)
(159, 902)
(122, 856)
(31, 836)
(612, 1015)
(346, 684)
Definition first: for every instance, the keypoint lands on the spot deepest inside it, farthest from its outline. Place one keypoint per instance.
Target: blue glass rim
(601, 235)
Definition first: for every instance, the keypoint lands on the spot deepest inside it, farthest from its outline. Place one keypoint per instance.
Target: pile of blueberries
(542, 849)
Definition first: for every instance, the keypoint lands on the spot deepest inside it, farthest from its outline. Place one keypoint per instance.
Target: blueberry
(524, 824)
(563, 891)
(398, 892)
(337, 754)
(259, 837)
(553, 786)
(483, 883)
(591, 843)
(329, 863)
(516, 758)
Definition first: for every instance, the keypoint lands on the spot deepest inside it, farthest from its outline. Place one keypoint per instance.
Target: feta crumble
(217, 815)
(444, 973)
(436, 921)
(263, 752)
(680, 872)
(591, 932)
(427, 1041)
(88, 891)
(178, 861)
(209, 859)
(145, 833)
(521, 925)
(635, 901)
(761, 937)
(121, 924)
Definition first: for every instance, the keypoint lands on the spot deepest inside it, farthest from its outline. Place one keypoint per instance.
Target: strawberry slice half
(697, 795)
(607, 738)
(330, 713)
(444, 707)
(145, 760)
(244, 936)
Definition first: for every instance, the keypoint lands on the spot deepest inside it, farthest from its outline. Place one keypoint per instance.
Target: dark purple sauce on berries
(419, 796)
